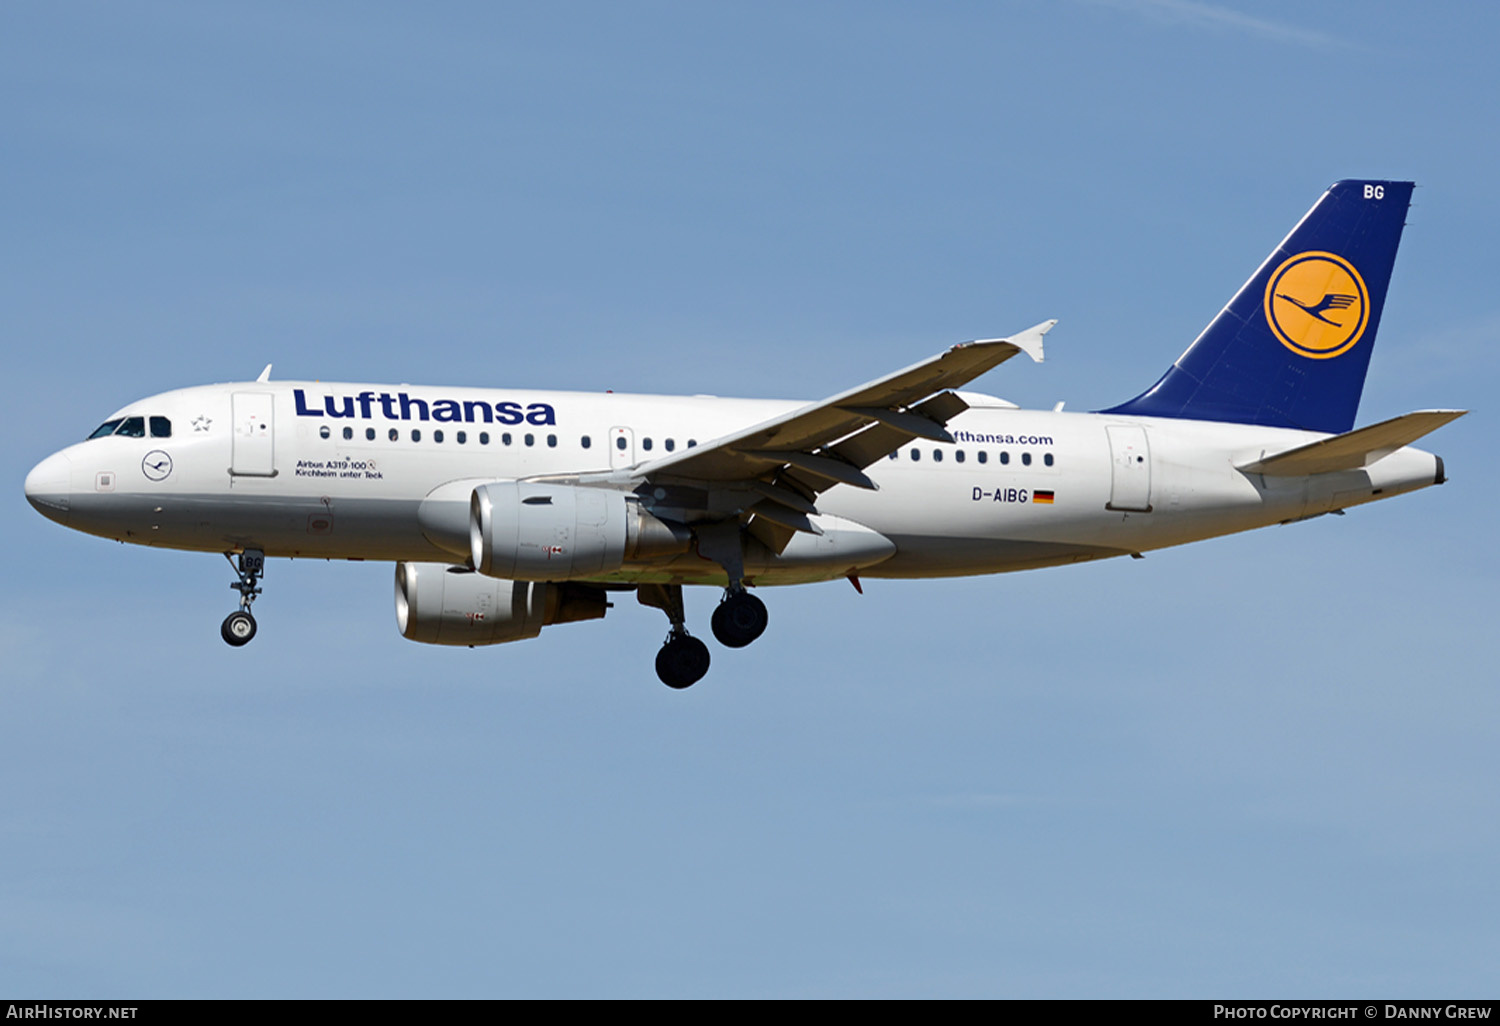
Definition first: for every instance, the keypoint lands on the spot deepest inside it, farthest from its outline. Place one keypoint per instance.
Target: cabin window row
(982, 456)
(462, 438)
(669, 444)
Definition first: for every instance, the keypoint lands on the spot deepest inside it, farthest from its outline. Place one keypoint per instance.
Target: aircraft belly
(280, 525)
(941, 556)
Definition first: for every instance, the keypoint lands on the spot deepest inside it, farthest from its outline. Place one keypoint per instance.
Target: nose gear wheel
(239, 627)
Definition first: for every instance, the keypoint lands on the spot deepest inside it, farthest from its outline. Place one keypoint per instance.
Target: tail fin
(1292, 347)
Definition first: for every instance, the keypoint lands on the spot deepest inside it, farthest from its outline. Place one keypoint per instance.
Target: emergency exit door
(621, 447)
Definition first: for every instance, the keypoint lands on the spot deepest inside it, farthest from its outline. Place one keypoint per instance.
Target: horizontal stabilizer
(1353, 449)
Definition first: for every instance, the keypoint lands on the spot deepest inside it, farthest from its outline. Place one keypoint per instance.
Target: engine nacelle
(535, 531)
(452, 605)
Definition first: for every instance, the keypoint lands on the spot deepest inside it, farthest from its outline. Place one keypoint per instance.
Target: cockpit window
(133, 427)
(107, 428)
(161, 427)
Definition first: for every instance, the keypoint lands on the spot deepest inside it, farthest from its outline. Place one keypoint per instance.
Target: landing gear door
(621, 448)
(1130, 477)
(254, 436)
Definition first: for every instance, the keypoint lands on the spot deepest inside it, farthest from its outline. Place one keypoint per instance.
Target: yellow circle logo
(1317, 305)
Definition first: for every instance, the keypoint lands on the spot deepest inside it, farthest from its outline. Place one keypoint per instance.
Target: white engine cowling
(452, 605)
(535, 531)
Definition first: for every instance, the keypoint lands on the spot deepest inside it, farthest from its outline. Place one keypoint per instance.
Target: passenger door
(1130, 474)
(253, 453)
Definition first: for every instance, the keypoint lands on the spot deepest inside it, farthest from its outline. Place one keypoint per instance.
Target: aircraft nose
(49, 487)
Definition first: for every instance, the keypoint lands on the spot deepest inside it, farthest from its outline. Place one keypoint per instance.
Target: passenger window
(1047, 459)
(585, 441)
(1005, 457)
(895, 454)
(937, 455)
(959, 455)
(161, 427)
(552, 441)
(620, 443)
(437, 436)
(369, 434)
(670, 444)
(462, 437)
(1026, 459)
(505, 438)
(484, 438)
(983, 456)
(107, 428)
(916, 454)
(692, 442)
(395, 434)
(416, 436)
(348, 433)
(531, 439)
(323, 431)
(646, 444)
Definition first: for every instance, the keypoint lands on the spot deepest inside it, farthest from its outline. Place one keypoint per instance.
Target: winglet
(1028, 341)
(265, 375)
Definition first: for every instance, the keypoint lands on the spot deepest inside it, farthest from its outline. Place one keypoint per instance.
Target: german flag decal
(1042, 497)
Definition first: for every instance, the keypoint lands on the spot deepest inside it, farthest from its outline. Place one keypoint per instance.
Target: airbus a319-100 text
(508, 511)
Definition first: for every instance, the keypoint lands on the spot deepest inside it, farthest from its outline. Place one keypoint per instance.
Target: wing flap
(910, 423)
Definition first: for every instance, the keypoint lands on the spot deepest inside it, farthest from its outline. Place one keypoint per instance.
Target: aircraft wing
(788, 460)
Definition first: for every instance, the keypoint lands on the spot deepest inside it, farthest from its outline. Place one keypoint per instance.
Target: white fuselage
(308, 469)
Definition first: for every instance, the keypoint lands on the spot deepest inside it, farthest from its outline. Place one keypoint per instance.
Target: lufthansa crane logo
(156, 465)
(1317, 305)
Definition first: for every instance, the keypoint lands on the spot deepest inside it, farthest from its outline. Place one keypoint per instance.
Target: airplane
(508, 511)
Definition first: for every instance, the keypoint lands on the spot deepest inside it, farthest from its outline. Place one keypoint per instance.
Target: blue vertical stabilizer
(1292, 347)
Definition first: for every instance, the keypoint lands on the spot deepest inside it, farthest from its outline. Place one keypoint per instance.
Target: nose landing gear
(239, 626)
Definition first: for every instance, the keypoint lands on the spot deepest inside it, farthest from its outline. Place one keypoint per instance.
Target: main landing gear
(739, 618)
(683, 660)
(239, 626)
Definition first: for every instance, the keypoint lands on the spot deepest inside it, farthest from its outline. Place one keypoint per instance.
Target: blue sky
(1258, 766)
